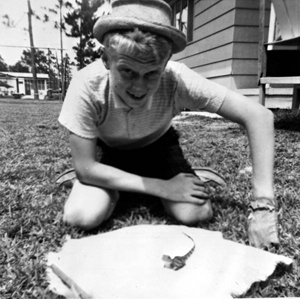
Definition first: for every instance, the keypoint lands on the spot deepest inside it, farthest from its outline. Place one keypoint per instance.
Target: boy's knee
(206, 213)
(87, 207)
(192, 215)
(82, 219)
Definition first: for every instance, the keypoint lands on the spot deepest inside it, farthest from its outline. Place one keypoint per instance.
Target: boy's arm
(181, 188)
(259, 124)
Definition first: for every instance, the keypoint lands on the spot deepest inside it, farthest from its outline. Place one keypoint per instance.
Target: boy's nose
(139, 84)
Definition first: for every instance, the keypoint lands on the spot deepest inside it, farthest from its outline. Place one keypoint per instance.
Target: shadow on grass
(286, 119)
(133, 209)
(265, 287)
(139, 202)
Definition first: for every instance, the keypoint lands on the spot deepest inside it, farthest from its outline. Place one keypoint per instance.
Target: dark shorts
(162, 159)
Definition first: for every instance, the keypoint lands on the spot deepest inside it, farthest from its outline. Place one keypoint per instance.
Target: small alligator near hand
(178, 262)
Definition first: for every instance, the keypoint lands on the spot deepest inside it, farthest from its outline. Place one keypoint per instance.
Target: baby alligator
(178, 262)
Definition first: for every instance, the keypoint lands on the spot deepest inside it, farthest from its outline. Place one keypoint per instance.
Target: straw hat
(147, 15)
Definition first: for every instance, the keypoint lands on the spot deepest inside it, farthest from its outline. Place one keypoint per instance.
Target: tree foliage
(53, 70)
(25, 63)
(3, 65)
(7, 21)
(41, 60)
(81, 22)
(68, 72)
(19, 66)
(55, 10)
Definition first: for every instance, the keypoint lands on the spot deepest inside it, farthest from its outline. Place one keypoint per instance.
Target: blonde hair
(144, 45)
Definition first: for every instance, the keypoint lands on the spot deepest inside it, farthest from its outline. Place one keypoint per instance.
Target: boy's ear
(105, 61)
(168, 59)
(105, 58)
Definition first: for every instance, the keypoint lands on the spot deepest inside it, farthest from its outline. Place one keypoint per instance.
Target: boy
(125, 103)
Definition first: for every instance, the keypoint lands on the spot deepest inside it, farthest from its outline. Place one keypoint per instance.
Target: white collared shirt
(92, 110)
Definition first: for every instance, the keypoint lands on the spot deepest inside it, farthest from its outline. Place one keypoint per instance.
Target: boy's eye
(152, 75)
(127, 73)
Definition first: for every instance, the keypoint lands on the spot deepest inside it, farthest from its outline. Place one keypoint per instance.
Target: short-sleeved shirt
(93, 110)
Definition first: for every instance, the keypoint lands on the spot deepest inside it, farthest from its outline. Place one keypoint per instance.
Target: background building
(22, 83)
(223, 42)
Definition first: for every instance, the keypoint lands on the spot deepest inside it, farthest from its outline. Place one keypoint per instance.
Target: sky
(44, 34)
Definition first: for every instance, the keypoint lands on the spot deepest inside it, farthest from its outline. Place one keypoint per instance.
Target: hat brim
(109, 23)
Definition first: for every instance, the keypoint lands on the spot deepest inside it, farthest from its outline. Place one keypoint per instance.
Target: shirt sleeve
(197, 93)
(80, 113)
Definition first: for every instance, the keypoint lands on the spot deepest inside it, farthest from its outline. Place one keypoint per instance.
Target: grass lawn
(34, 149)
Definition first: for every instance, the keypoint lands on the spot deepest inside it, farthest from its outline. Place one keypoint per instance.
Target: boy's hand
(262, 225)
(186, 188)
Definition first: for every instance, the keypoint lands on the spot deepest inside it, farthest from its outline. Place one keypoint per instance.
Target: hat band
(143, 12)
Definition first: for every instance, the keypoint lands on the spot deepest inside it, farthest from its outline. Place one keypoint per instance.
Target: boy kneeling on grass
(125, 103)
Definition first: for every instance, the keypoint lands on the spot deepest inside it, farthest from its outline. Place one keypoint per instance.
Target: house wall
(19, 86)
(4, 91)
(42, 92)
(225, 42)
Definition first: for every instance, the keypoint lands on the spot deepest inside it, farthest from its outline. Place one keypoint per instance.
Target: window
(183, 16)
(28, 84)
(41, 84)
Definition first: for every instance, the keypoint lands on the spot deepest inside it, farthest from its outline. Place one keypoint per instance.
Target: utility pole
(50, 86)
(33, 67)
(62, 55)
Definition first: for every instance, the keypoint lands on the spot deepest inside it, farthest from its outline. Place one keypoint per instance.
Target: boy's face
(134, 79)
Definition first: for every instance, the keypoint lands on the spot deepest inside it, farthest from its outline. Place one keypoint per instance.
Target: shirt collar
(119, 104)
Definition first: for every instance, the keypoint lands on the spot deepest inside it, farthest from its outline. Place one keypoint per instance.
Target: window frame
(41, 84)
